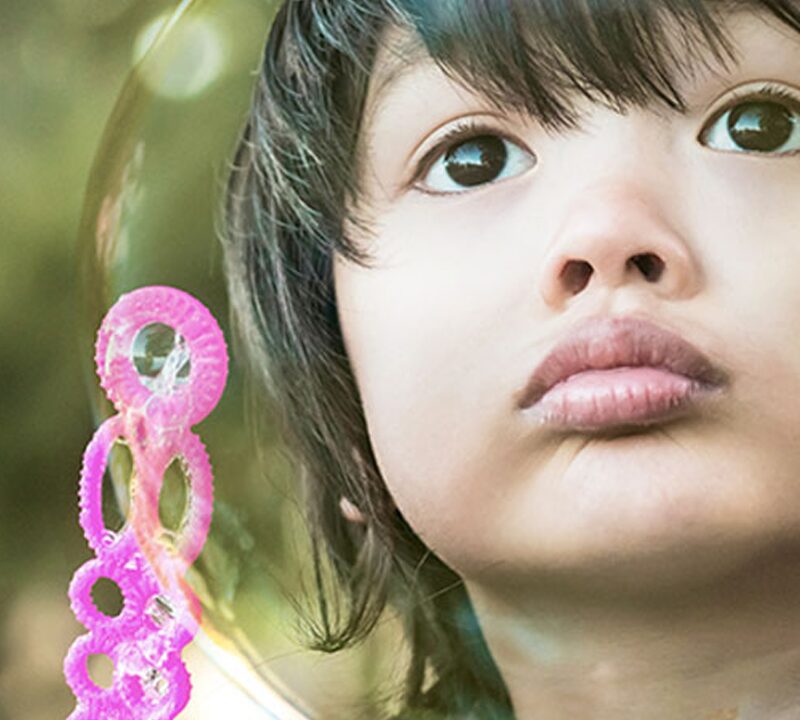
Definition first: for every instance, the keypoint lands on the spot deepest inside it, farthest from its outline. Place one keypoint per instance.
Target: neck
(730, 651)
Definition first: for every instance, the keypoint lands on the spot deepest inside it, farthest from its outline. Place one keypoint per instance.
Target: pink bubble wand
(162, 361)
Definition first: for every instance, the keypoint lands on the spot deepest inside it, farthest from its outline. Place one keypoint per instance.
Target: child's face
(465, 300)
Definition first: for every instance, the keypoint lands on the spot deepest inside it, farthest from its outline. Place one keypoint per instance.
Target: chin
(619, 554)
(648, 573)
(636, 575)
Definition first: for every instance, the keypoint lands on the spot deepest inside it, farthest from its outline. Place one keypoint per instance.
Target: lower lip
(597, 399)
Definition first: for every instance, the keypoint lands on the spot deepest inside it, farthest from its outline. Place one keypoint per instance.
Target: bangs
(539, 56)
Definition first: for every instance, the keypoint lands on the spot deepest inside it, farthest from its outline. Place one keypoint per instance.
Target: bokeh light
(192, 56)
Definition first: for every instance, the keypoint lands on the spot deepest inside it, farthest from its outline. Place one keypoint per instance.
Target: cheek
(748, 229)
(437, 374)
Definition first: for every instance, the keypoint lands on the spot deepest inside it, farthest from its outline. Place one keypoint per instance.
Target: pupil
(478, 160)
(761, 126)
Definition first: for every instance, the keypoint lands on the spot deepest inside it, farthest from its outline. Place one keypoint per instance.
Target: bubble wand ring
(162, 361)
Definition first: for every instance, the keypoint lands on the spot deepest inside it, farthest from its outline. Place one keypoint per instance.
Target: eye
(766, 121)
(468, 158)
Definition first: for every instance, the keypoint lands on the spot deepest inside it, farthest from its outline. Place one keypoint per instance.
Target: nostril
(575, 275)
(650, 265)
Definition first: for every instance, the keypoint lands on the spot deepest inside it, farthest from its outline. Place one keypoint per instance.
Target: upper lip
(600, 343)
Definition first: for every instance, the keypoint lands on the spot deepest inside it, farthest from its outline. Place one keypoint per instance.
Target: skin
(651, 573)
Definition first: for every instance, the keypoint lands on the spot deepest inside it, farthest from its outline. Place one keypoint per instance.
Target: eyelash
(469, 127)
(768, 91)
(463, 130)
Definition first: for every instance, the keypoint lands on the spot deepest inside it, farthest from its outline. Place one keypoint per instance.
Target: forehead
(401, 54)
(540, 69)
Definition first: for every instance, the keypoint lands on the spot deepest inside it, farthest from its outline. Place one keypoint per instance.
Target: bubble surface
(161, 357)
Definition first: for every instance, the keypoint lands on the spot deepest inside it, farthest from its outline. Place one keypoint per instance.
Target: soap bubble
(194, 59)
(149, 219)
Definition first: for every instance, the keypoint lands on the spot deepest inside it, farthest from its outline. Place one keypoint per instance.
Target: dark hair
(293, 191)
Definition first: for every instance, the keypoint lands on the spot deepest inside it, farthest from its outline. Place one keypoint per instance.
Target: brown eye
(757, 125)
(760, 126)
(478, 160)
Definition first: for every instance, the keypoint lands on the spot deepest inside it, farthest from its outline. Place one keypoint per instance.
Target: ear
(350, 512)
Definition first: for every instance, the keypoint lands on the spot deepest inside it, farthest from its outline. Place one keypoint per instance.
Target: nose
(613, 236)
